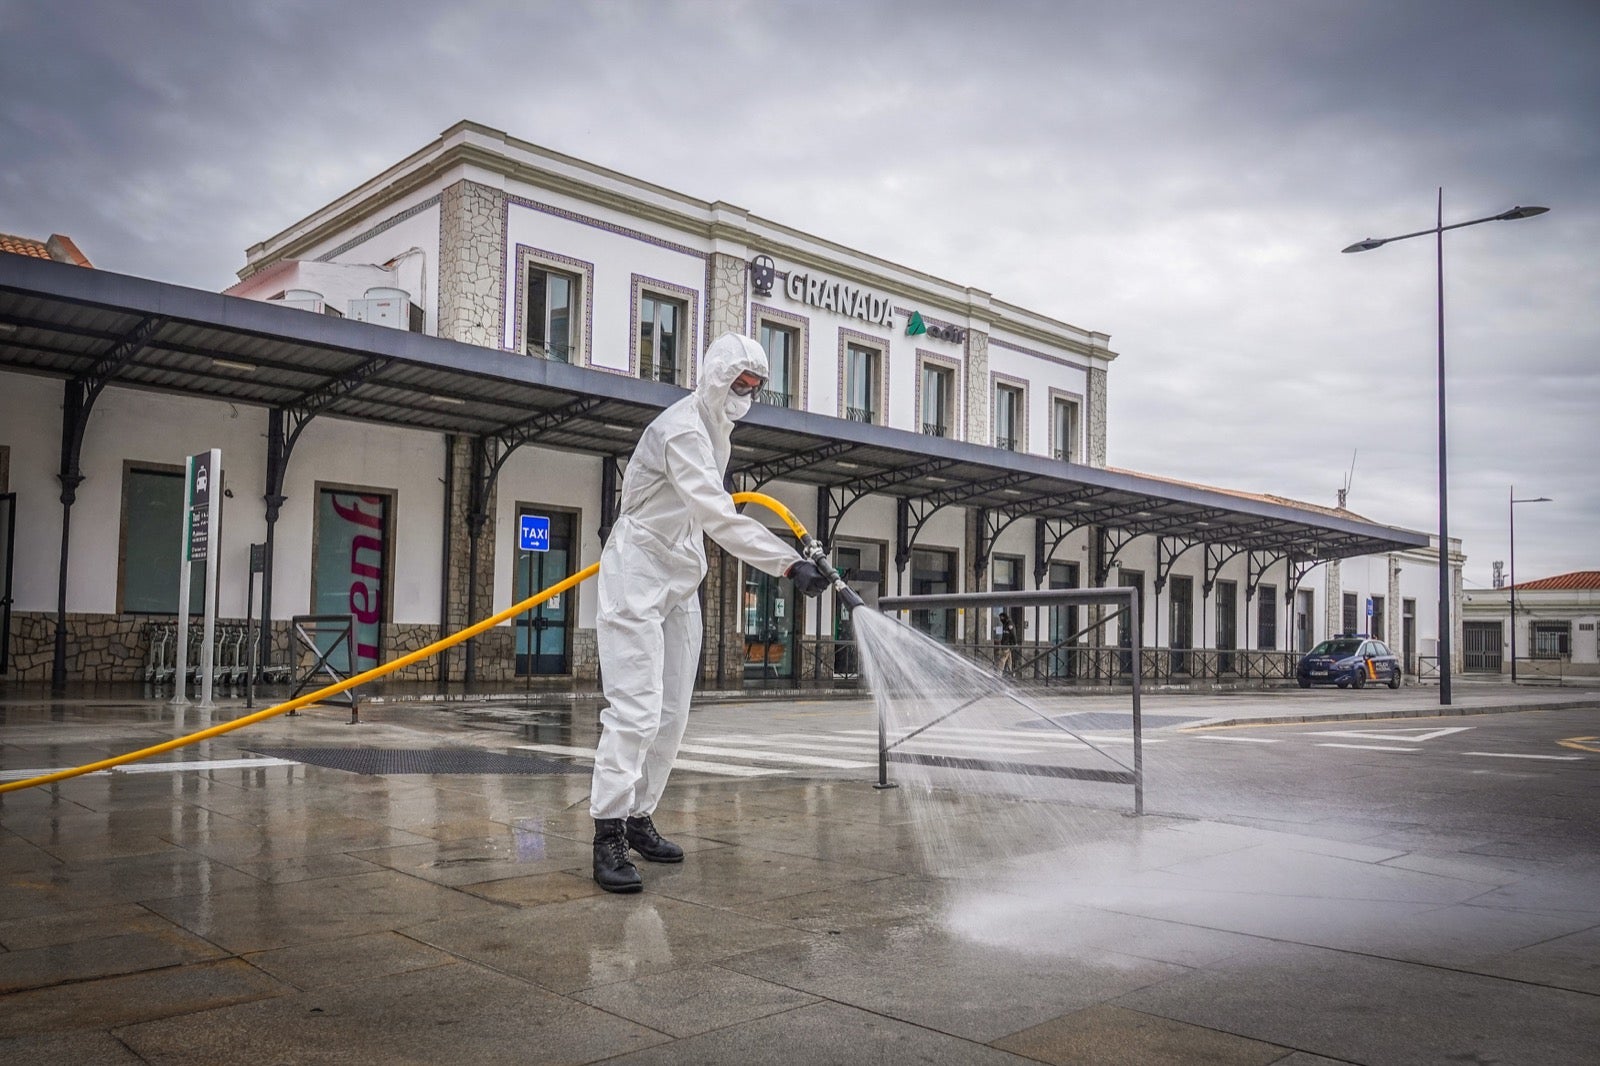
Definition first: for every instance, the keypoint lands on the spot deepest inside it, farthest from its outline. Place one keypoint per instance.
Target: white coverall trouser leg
(648, 704)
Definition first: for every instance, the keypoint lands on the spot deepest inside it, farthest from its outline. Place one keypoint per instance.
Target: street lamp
(1444, 508)
(1513, 511)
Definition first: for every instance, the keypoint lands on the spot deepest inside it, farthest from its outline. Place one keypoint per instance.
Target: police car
(1349, 661)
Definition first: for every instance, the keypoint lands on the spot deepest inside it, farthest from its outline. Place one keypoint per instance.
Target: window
(1267, 617)
(1064, 429)
(1551, 640)
(551, 313)
(1007, 417)
(351, 568)
(1352, 623)
(1375, 624)
(934, 572)
(938, 400)
(663, 324)
(782, 345)
(152, 539)
(861, 383)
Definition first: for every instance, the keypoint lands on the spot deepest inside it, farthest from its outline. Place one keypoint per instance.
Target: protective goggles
(747, 384)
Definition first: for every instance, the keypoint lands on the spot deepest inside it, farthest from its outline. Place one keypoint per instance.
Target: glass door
(1063, 622)
(1181, 623)
(544, 634)
(8, 536)
(351, 571)
(768, 626)
(862, 569)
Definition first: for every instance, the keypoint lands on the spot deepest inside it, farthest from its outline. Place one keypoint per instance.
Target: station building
(1551, 632)
(467, 346)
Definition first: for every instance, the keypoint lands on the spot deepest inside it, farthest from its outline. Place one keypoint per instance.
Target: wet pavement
(1346, 899)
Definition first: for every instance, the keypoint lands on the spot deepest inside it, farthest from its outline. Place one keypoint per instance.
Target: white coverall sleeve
(691, 470)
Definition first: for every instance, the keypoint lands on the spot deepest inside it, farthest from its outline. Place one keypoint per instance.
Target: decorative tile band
(389, 223)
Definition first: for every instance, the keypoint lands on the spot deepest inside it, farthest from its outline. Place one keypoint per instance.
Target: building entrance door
(1482, 644)
(8, 532)
(1302, 620)
(544, 634)
(862, 569)
(1063, 622)
(769, 626)
(1181, 623)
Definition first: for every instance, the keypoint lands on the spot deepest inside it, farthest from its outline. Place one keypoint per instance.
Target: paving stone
(825, 1034)
(447, 1014)
(114, 1001)
(693, 999)
(347, 960)
(1115, 1036)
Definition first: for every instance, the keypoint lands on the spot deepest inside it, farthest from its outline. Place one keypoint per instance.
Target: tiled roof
(1578, 579)
(23, 246)
(58, 248)
(1282, 501)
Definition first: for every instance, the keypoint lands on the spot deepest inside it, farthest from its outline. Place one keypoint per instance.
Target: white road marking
(155, 768)
(201, 764)
(1368, 747)
(1514, 755)
(1240, 740)
(698, 765)
(760, 755)
(1420, 734)
(23, 775)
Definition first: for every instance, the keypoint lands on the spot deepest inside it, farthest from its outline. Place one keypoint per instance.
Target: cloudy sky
(1180, 174)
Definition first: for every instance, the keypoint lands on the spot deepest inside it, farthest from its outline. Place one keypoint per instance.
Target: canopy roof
(66, 322)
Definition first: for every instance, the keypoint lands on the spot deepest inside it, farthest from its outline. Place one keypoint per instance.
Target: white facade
(1555, 628)
(480, 230)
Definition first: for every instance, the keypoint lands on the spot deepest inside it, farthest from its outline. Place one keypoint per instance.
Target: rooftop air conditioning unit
(385, 306)
(306, 300)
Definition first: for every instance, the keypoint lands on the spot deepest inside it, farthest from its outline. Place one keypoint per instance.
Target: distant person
(1005, 639)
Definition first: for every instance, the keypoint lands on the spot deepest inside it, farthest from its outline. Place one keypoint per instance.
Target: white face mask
(736, 407)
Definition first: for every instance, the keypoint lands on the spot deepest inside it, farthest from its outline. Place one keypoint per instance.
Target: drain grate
(422, 761)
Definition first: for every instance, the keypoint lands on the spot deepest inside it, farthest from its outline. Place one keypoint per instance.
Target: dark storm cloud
(1179, 174)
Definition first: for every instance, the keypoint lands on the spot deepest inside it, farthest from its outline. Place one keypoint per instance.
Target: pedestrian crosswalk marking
(698, 765)
(1410, 735)
(774, 756)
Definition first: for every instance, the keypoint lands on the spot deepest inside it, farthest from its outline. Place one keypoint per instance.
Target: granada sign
(839, 296)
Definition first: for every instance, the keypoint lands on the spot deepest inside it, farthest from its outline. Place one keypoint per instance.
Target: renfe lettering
(366, 601)
(838, 296)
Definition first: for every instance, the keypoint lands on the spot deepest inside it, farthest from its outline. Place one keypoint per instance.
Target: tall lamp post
(1438, 231)
(1513, 511)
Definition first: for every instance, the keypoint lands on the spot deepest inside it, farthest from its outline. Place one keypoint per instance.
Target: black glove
(808, 577)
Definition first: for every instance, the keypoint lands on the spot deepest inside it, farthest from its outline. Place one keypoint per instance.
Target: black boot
(644, 839)
(613, 870)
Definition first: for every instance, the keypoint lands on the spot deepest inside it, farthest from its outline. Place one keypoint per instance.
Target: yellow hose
(376, 672)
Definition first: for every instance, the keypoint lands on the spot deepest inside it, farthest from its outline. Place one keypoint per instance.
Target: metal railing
(775, 397)
(825, 662)
(934, 429)
(1126, 602)
(664, 370)
(861, 414)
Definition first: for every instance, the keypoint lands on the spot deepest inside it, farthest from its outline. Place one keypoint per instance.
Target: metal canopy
(63, 321)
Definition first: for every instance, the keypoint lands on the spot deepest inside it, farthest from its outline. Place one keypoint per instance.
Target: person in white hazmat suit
(648, 623)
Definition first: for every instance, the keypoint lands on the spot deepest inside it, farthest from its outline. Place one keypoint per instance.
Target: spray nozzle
(812, 549)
